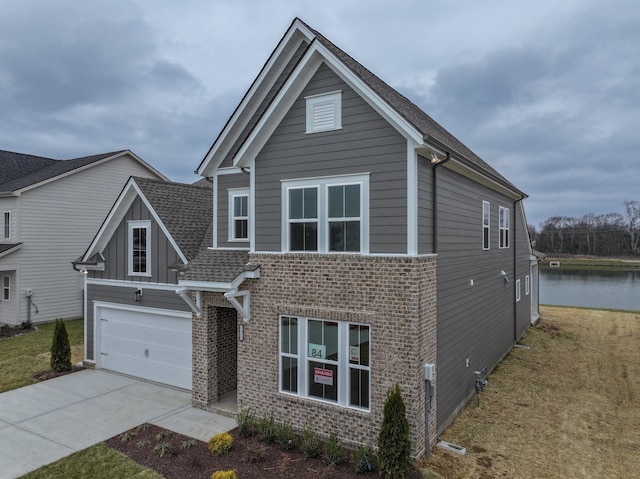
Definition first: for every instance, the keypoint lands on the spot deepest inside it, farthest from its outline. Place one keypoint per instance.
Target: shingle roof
(186, 210)
(219, 266)
(411, 112)
(18, 170)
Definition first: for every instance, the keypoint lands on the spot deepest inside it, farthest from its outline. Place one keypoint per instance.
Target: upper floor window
(6, 228)
(140, 248)
(486, 212)
(504, 221)
(326, 214)
(517, 290)
(239, 215)
(324, 112)
(326, 360)
(6, 288)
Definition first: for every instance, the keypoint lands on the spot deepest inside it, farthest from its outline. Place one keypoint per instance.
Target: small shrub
(333, 452)
(363, 459)
(253, 453)
(163, 435)
(310, 445)
(394, 446)
(143, 443)
(127, 436)
(220, 443)
(246, 423)
(188, 444)
(285, 437)
(143, 427)
(60, 348)
(267, 430)
(162, 448)
(26, 324)
(224, 475)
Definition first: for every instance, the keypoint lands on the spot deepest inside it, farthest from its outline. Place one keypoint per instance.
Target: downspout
(436, 162)
(515, 274)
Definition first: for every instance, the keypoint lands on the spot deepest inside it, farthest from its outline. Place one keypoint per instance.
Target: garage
(146, 343)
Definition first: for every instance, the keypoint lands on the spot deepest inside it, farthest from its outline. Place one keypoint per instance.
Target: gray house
(49, 209)
(354, 244)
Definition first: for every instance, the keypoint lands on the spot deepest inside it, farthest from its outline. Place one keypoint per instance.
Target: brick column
(205, 360)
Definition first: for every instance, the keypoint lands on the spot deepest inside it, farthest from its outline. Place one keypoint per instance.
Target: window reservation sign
(323, 376)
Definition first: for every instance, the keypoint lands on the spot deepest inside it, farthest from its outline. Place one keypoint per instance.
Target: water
(590, 288)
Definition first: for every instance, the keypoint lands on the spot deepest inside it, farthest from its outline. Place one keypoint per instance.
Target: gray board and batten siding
(286, 71)
(365, 144)
(226, 182)
(473, 322)
(425, 206)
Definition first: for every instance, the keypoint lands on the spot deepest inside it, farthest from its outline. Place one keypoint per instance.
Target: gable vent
(324, 112)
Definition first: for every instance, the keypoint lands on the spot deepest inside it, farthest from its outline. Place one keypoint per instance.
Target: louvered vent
(324, 112)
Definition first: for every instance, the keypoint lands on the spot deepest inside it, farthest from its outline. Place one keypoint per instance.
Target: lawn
(23, 356)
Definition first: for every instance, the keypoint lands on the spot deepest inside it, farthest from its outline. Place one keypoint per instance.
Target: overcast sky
(547, 92)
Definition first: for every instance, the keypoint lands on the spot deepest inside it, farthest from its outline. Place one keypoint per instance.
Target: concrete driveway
(44, 422)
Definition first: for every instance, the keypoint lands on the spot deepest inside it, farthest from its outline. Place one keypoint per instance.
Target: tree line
(611, 234)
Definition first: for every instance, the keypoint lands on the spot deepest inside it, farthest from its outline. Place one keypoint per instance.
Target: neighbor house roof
(19, 171)
(8, 248)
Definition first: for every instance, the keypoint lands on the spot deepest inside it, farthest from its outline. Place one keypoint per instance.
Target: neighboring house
(135, 322)
(50, 209)
(355, 244)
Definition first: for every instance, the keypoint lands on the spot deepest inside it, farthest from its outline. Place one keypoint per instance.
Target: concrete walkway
(44, 422)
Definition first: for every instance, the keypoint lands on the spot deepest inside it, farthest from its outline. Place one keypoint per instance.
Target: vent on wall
(324, 112)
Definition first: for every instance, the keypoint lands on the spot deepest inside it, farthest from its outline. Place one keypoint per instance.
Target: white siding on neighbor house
(57, 222)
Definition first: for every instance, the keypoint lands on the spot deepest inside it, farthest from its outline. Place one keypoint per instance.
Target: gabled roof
(8, 248)
(19, 171)
(182, 211)
(404, 115)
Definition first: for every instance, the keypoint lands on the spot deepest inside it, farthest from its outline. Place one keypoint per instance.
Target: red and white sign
(323, 376)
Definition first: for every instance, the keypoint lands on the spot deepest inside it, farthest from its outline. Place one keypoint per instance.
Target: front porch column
(205, 357)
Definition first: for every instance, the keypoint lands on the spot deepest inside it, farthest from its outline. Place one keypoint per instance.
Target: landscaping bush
(310, 444)
(220, 443)
(247, 423)
(224, 475)
(333, 452)
(267, 430)
(285, 436)
(394, 446)
(60, 348)
(363, 459)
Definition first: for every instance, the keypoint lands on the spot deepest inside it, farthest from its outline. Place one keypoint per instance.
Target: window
(325, 360)
(239, 215)
(324, 112)
(6, 230)
(6, 288)
(326, 215)
(517, 290)
(526, 285)
(504, 227)
(139, 248)
(486, 210)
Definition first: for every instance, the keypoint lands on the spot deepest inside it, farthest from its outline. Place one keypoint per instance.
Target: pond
(605, 289)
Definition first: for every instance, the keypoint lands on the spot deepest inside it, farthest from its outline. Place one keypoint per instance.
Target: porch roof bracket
(243, 308)
(196, 306)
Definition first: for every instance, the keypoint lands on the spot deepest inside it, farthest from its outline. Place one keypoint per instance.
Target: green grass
(96, 462)
(593, 263)
(23, 356)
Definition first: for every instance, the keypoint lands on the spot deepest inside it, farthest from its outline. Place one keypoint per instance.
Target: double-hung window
(486, 214)
(517, 290)
(6, 228)
(139, 248)
(527, 285)
(6, 288)
(325, 360)
(239, 215)
(326, 214)
(504, 221)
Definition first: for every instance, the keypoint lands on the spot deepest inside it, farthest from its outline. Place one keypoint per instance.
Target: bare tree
(632, 217)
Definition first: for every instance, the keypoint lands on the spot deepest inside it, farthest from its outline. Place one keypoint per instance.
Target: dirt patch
(567, 407)
(50, 374)
(185, 457)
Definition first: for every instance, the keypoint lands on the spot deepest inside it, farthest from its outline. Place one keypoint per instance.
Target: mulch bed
(50, 374)
(187, 458)
(10, 332)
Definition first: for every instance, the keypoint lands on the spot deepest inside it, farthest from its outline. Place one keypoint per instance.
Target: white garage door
(146, 343)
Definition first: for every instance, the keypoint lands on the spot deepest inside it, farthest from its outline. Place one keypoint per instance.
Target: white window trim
(6, 288)
(527, 285)
(334, 97)
(504, 228)
(323, 206)
(6, 225)
(130, 227)
(517, 290)
(343, 364)
(487, 226)
(233, 193)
